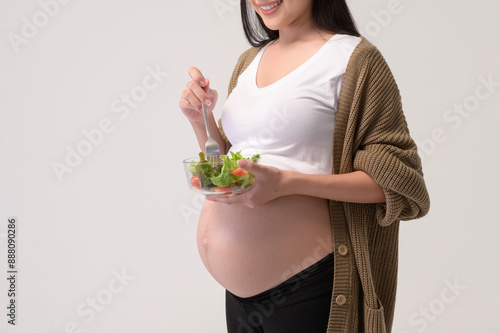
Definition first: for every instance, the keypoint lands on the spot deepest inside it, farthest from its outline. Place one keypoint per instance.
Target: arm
(197, 90)
(271, 183)
(383, 146)
(355, 186)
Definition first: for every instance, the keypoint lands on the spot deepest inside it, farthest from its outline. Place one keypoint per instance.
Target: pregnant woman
(312, 246)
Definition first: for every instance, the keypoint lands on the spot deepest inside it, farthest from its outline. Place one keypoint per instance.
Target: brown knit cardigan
(371, 134)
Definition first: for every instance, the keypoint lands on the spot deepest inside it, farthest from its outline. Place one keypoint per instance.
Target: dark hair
(328, 15)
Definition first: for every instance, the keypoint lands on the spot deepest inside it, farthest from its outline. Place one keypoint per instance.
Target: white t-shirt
(290, 123)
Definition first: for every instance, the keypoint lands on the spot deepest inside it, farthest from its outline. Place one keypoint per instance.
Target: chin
(272, 27)
(272, 24)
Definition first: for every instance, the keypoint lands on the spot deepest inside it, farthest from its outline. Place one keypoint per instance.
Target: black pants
(301, 304)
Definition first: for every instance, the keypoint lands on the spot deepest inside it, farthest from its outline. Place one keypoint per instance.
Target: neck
(302, 29)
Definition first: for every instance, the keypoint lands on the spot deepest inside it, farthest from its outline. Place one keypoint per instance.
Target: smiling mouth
(271, 6)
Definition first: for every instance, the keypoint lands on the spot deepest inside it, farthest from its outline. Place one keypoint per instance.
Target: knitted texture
(371, 134)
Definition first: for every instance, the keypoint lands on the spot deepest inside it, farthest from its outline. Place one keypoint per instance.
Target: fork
(212, 150)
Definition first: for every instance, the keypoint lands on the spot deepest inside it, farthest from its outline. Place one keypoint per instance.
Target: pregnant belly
(250, 250)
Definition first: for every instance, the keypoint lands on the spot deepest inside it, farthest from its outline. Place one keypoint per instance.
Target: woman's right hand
(197, 90)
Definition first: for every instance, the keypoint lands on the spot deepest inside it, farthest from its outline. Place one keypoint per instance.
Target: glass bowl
(196, 175)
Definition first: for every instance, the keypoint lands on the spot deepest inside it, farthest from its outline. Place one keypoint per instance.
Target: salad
(226, 176)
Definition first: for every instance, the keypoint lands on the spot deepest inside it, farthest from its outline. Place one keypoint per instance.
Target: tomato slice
(239, 172)
(226, 189)
(195, 181)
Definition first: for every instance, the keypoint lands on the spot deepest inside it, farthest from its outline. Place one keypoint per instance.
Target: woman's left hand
(268, 185)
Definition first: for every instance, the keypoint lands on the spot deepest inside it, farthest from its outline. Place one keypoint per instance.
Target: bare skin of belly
(251, 250)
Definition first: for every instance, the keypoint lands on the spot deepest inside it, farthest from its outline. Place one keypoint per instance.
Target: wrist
(197, 123)
(288, 181)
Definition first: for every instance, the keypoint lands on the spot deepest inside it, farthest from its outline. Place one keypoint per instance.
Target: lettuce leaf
(221, 175)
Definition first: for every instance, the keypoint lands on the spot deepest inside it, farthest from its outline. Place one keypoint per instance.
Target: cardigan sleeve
(386, 151)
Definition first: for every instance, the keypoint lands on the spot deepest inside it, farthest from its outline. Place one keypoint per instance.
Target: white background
(127, 208)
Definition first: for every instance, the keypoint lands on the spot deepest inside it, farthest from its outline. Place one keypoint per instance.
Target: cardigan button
(340, 300)
(343, 250)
